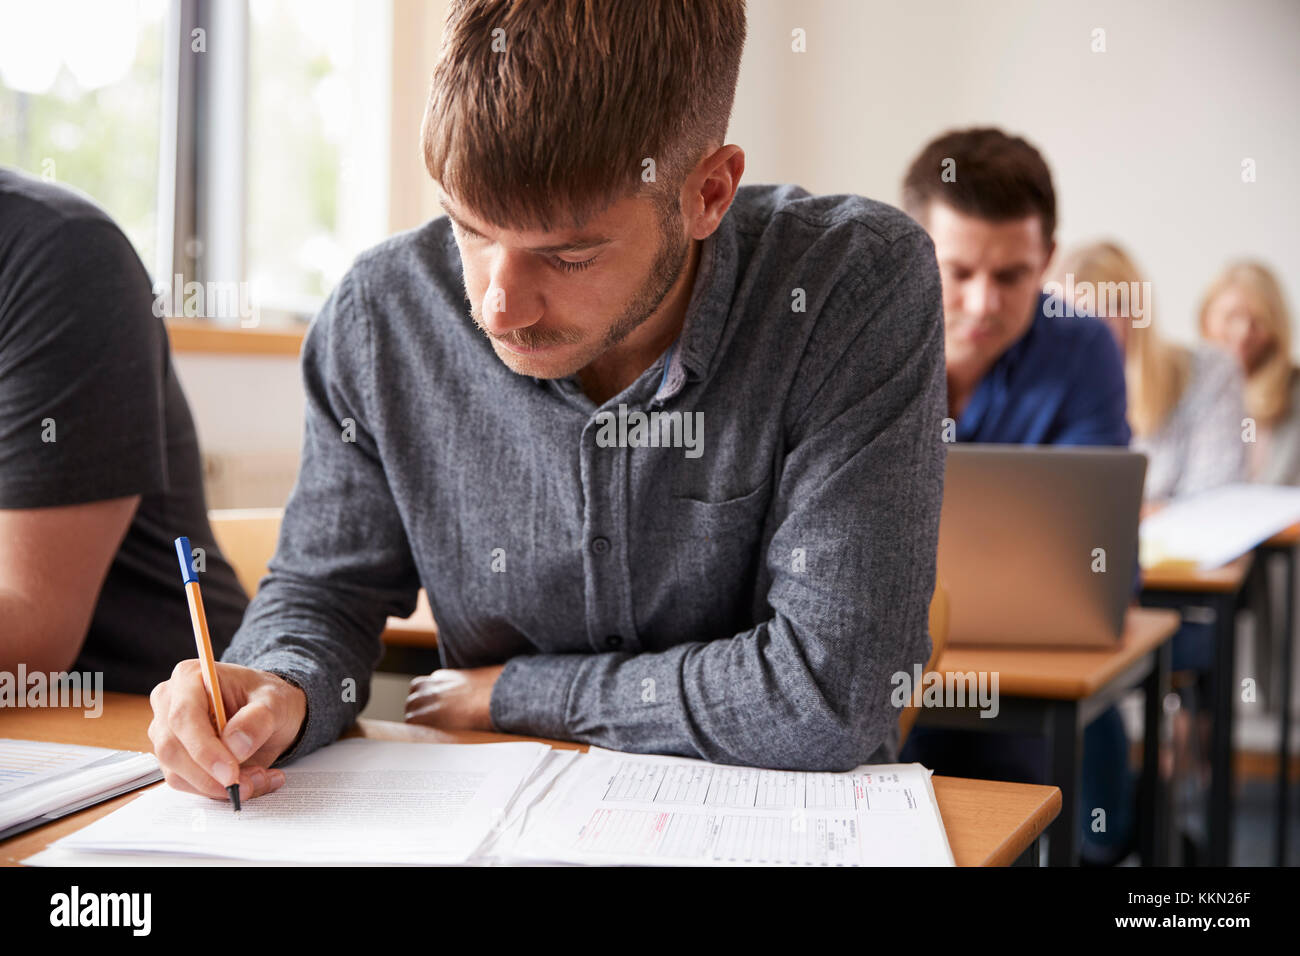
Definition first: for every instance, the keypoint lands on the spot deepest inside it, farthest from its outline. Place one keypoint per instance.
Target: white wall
(248, 413)
(1145, 140)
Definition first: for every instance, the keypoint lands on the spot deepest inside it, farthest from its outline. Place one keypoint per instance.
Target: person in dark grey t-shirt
(99, 462)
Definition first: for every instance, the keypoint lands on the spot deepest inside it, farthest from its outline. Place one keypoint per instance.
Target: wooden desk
(1286, 538)
(418, 630)
(1286, 543)
(988, 823)
(1219, 589)
(1055, 693)
(1225, 580)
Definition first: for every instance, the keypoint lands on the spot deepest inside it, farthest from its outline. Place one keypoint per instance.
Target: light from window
(312, 163)
(81, 102)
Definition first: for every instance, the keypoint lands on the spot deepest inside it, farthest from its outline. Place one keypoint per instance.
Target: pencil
(204, 643)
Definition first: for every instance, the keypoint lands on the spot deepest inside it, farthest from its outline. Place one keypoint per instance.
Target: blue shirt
(1061, 383)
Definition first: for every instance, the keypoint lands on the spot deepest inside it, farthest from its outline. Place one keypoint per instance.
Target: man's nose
(511, 300)
(982, 297)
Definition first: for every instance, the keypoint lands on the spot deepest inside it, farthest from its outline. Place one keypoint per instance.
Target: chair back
(938, 638)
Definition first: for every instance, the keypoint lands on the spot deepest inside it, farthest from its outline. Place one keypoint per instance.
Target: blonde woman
(1244, 313)
(1184, 407)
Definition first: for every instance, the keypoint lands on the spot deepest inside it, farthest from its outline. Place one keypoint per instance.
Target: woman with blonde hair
(1243, 312)
(1185, 411)
(1184, 406)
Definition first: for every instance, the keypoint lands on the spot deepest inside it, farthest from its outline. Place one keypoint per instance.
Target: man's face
(992, 274)
(553, 302)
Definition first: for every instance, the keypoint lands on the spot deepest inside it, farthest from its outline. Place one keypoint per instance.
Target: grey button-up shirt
(737, 581)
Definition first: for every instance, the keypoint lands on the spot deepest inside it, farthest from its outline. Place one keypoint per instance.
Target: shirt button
(600, 545)
(613, 642)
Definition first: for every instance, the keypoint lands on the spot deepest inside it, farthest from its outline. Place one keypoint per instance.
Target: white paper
(499, 845)
(25, 762)
(1214, 527)
(355, 801)
(613, 808)
(56, 855)
(39, 779)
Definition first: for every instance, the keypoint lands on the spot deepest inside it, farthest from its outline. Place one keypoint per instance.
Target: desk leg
(1153, 808)
(1066, 759)
(1225, 684)
(1031, 856)
(1284, 737)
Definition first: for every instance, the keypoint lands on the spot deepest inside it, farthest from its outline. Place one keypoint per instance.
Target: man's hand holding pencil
(266, 714)
(198, 749)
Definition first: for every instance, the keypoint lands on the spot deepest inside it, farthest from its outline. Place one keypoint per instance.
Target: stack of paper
(1212, 528)
(499, 846)
(377, 802)
(356, 801)
(615, 808)
(40, 782)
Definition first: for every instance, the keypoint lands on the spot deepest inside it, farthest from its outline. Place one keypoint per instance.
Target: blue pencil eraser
(183, 555)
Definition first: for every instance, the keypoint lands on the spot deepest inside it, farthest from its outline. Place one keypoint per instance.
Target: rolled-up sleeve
(858, 501)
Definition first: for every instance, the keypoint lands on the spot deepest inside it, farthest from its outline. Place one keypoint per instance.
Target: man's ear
(1047, 264)
(720, 174)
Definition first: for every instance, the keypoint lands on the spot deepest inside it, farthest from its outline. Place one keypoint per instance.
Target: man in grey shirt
(667, 466)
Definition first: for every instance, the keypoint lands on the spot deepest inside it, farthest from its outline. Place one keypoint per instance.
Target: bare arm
(53, 562)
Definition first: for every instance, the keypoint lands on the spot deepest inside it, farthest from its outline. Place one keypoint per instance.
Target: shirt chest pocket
(716, 551)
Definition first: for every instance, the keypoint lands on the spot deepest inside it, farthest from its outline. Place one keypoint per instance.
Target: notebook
(40, 782)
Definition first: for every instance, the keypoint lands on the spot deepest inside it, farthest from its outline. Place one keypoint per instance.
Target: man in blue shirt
(1019, 371)
(1061, 383)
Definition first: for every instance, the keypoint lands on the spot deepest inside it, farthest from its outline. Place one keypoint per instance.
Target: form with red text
(610, 807)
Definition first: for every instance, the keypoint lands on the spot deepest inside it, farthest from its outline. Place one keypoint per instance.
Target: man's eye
(573, 266)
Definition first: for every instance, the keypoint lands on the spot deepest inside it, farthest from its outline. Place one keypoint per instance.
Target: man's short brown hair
(542, 110)
(991, 176)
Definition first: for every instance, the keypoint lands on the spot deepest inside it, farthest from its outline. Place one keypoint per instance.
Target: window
(238, 142)
(317, 145)
(81, 100)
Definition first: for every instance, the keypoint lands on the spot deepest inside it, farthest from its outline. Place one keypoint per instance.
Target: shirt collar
(1013, 356)
(711, 298)
(692, 352)
(991, 391)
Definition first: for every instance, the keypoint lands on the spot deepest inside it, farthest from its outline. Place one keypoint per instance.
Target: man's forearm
(321, 642)
(750, 699)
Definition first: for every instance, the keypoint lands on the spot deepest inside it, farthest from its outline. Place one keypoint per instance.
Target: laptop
(1038, 544)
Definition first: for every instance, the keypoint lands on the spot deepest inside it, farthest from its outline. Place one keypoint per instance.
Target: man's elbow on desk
(832, 744)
